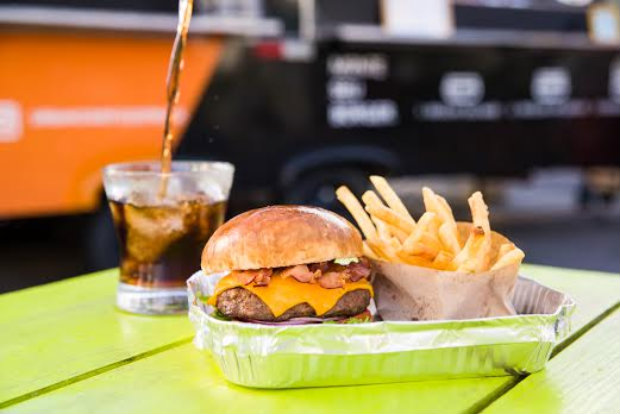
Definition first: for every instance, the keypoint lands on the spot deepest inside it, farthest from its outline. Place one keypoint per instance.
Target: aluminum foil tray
(263, 356)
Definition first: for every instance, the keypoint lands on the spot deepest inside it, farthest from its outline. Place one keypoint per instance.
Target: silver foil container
(263, 356)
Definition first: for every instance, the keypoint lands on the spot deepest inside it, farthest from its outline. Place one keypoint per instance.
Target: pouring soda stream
(172, 89)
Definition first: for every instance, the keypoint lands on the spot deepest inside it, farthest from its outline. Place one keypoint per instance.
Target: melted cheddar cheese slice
(283, 293)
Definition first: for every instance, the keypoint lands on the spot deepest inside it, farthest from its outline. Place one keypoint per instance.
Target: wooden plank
(594, 292)
(185, 377)
(583, 378)
(60, 330)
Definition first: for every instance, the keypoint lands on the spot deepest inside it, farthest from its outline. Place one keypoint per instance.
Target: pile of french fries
(393, 235)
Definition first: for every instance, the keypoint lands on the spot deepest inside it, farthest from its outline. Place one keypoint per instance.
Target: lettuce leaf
(345, 261)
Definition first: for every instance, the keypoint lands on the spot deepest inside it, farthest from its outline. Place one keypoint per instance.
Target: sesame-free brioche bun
(280, 236)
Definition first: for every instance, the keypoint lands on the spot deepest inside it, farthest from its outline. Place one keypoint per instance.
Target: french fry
(471, 247)
(413, 260)
(438, 205)
(479, 212)
(368, 252)
(515, 255)
(476, 234)
(383, 231)
(448, 233)
(423, 225)
(466, 267)
(346, 197)
(394, 231)
(480, 218)
(483, 255)
(465, 260)
(443, 261)
(400, 234)
(390, 196)
(390, 217)
(443, 204)
(426, 245)
(446, 212)
(433, 224)
(370, 198)
(373, 202)
(449, 238)
(432, 241)
(427, 248)
(426, 221)
(428, 196)
(384, 251)
(478, 255)
(376, 248)
(394, 244)
(475, 256)
(505, 248)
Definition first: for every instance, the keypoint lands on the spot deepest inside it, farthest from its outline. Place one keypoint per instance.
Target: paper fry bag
(406, 292)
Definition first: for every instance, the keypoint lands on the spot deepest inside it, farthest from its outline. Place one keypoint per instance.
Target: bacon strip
(321, 267)
(328, 275)
(301, 273)
(245, 278)
(332, 280)
(357, 271)
(261, 277)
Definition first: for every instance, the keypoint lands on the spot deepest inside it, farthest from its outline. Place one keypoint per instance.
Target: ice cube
(151, 230)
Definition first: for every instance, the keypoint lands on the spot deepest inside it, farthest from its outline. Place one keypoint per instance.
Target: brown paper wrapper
(405, 292)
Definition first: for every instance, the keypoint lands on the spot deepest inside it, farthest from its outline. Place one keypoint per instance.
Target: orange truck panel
(71, 103)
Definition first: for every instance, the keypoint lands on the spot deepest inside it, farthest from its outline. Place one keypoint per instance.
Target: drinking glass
(163, 221)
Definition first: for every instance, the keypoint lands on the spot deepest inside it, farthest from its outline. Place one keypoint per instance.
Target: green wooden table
(66, 349)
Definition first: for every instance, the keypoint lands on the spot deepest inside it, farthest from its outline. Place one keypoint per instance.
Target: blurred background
(517, 98)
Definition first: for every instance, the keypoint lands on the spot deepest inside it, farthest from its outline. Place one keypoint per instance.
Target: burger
(287, 265)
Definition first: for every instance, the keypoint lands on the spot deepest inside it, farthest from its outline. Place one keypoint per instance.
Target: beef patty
(239, 303)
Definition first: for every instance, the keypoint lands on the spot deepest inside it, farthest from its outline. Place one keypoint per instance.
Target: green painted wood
(186, 380)
(185, 377)
(583, 378)
(594, 292)
(57, 331)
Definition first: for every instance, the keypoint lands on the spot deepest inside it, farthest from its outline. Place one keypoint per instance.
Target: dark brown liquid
(161, 246)
(172, 88)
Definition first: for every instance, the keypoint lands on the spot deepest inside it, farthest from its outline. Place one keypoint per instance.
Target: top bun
(280, 236)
